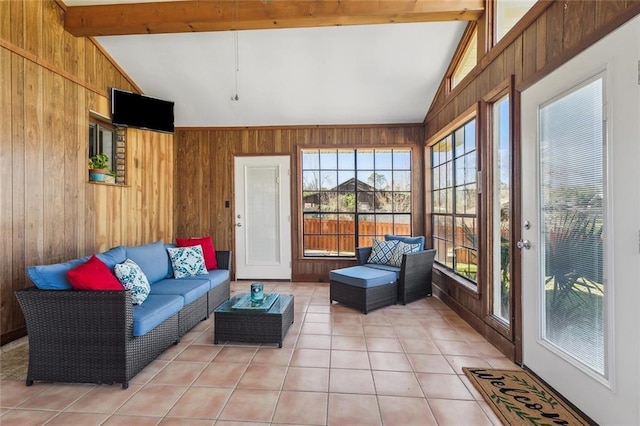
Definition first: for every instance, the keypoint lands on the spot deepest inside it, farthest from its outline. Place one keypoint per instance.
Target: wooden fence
(331, 235)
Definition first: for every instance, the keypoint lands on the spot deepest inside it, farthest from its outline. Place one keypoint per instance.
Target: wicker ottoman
(363, 288)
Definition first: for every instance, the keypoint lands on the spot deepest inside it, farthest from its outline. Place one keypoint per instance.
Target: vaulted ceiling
(288, 62)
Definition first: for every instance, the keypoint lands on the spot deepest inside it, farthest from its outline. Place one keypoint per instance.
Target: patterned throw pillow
(381, 251)
(187, 261)
(400, 249)
(132, 278)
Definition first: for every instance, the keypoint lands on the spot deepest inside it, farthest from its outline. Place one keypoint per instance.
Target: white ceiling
(367, 74)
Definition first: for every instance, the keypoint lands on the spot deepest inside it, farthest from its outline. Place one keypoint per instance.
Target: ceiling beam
(224, 15)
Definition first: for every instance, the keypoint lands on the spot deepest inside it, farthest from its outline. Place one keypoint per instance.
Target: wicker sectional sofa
(100, 336)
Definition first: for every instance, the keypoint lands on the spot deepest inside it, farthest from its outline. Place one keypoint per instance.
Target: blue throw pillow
(113, 256)
(152, 259)
(400, 250)
(54, 277)
(407, 240)
(381, 251)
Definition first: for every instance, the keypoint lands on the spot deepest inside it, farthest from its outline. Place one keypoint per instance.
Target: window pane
(435, 178)
(346, 160)
(380, 180)
(458, 137)
(365, 159)
(572, 193)
(468, 61)
(470, 136)
(345, 176)
(383, 159)
(500, 209)
(402, 224)
(328, 179)
(401, 181)
(328, 201)
(310, 180)
(384, 224)
(508, 13)
(365, 201)
(470, 167)
(383, 202)
(402, 202)
(328, 159)
(366, 224)
(346, 201)
(401, 160)
(310, 159)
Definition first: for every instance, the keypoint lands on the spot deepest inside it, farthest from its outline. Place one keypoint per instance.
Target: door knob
(524, 244)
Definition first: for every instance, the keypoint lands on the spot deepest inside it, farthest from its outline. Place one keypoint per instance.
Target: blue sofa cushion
(215, 277)
(388, 268)
(155, 309)
(190, 290)
(362, 276)
(54, 277)
(113, 256)
(407, 240)
(152, 259)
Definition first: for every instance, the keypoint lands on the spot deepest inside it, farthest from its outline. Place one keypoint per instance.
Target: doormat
(14, 363)
(518, 398)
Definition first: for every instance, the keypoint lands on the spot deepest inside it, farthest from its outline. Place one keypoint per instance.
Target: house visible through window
(454, 201)
(352, 196)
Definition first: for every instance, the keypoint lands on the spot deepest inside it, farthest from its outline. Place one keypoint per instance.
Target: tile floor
(400, 365)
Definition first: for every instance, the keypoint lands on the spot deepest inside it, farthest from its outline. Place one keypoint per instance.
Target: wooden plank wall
(204, 178)
(557, 31)
(49, 80)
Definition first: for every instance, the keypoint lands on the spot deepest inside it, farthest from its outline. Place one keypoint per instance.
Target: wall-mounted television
(134, 110)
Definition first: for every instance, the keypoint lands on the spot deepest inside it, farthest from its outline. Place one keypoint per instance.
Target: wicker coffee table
(254, 326)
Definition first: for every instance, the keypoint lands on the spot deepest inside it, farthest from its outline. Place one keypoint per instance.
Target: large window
(455, 199)
(352, 196)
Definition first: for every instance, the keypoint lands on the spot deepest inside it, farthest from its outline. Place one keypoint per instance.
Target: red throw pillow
(93, 275)
(208, 251)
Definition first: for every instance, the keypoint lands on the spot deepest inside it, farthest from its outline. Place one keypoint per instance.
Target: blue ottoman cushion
(362, 276)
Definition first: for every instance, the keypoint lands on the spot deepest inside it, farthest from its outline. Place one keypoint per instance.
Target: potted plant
(98, 167)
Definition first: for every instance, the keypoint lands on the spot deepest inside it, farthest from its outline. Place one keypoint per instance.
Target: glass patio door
(579, 246)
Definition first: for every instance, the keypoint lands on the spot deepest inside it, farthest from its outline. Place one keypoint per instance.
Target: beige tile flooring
(400, 365)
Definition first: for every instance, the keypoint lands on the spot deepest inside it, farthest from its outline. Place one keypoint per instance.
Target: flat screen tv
(134, 110)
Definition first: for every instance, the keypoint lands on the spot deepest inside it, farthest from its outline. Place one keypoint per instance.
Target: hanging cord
(235, 98)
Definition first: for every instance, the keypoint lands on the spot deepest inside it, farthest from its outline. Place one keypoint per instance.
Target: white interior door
(263, 217)
(580, 253)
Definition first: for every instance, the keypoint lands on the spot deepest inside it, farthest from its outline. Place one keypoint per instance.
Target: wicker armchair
(415, 273)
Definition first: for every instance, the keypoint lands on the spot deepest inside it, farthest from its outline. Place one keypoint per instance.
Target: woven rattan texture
(253, 327)
(364, 299)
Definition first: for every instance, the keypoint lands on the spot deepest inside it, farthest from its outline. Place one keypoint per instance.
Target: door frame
(288, 213)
